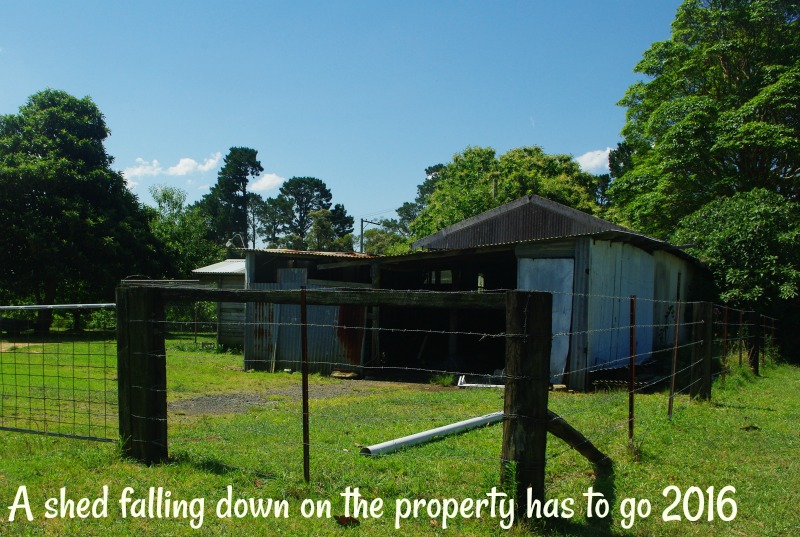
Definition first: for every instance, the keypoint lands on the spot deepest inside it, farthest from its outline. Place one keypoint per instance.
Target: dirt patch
(11, 347)
(234, 403)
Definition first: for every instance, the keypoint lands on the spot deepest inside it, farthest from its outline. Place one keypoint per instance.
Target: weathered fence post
(755, 341)
(304, 387)
(742, 341)
(142, 374)
(724, 359)
(707, 315)
(702, 355)
(675, 353)
(632, 372)
(529, 334)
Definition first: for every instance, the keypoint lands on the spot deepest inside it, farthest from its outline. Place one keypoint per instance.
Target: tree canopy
(225, 206)
(188, 243)
(71, 228)
(749, 241)
(476, 180)
(718, 114)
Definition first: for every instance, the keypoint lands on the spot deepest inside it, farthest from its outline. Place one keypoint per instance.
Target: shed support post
(528, 339)
(142, 374)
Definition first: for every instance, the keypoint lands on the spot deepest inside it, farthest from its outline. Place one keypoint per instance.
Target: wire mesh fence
(60, 381)
(250, 419)
(225, 408)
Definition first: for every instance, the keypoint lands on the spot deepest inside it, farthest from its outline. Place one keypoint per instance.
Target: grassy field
(228, 428)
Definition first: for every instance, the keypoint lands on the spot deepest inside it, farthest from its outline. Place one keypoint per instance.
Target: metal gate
(62, 382)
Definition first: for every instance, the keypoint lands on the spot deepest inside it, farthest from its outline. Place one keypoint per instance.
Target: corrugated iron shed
(529, 218)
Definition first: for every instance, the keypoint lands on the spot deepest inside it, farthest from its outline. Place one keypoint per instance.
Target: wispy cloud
(185, 166)
(267, 181)
(595, 161)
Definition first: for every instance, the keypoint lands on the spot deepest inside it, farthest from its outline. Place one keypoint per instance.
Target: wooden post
(702, 354)
(696, 363)
(707, 316)
(632, 376)
(772, 339)
(142, 374)
(724, 359)
(675, 349)
(529, 329)
(755, 341)
(304, 369)
(741, 339)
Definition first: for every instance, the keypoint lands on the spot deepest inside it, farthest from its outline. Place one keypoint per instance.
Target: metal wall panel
(334, 335)
(552, 276)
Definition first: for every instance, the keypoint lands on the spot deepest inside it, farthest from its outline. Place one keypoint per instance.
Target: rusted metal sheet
(526, 219)
(334, 337)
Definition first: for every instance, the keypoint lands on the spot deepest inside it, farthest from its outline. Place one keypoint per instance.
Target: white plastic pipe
(427, 436)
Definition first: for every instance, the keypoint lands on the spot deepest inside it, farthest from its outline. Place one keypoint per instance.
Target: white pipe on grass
(427, 436)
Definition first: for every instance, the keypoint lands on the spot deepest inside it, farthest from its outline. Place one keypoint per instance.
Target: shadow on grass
(742, 407)
(603, 484)
(217, 467)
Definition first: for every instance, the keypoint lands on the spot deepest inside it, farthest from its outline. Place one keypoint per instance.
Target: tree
(389, 238)
(187, 242)
(272, 216)
(302, 195)
(342, 222)
(225, 206)
(71, 228)
(324, 237)
(476, 181)
(256, 207)
(719, 114)
(750, 242)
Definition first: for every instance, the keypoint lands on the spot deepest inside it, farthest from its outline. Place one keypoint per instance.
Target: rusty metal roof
(305, 253)
(530, 218)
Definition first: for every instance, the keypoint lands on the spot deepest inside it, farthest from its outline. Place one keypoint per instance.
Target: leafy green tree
(323, 235)
(180, 228)
(302, 196)
(272, 216)
(389, 238)
(476, 181)
(225, 206)
(71, 228)
(719, 113)
(751, 242)
(342, 222)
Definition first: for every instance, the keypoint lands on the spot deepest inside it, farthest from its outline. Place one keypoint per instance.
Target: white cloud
(595, 161)
(187, 165)
(143, 168)
(267, 181)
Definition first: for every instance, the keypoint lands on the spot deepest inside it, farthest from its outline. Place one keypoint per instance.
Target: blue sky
(363, 95)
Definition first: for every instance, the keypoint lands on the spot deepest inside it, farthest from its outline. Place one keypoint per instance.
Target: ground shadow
(594, 526)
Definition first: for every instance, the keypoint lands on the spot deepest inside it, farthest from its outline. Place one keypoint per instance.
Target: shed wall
(617, 271)
(335, 334)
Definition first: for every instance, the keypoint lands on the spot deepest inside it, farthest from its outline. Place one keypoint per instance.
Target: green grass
(746, 437)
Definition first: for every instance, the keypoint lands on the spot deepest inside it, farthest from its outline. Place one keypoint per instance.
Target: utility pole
(361, 238)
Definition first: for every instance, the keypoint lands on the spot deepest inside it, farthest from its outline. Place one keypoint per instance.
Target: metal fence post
(528, 339)
(142, 374)
(632, 372)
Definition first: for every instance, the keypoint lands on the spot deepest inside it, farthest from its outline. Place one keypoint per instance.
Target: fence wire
(62, 382)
